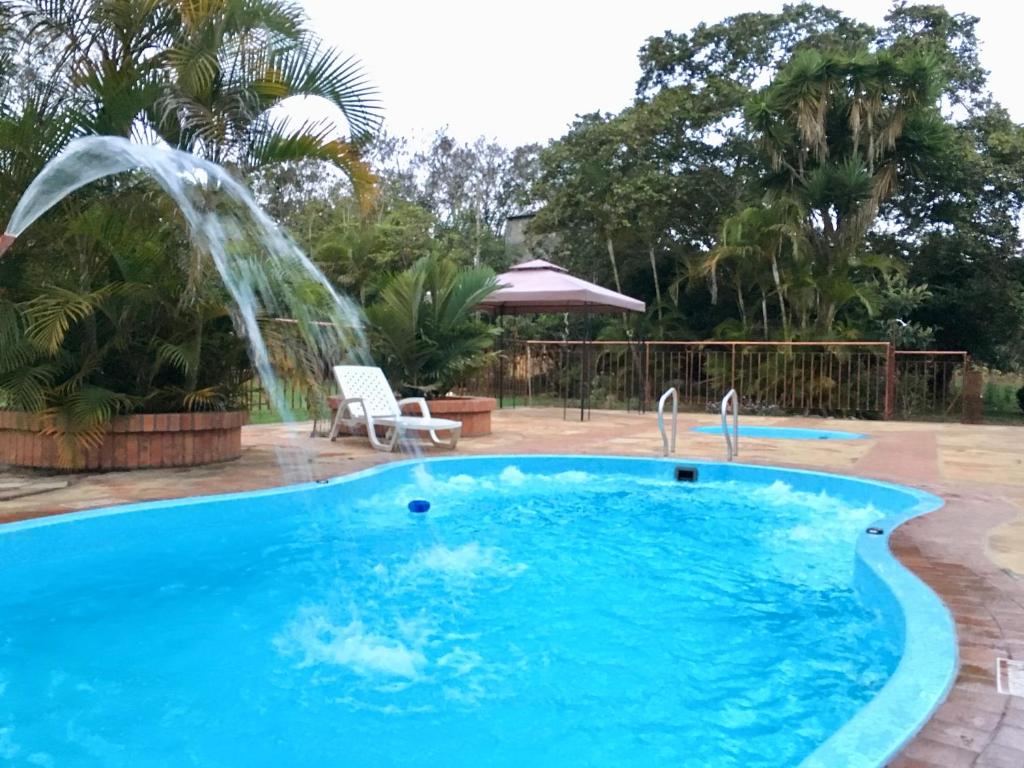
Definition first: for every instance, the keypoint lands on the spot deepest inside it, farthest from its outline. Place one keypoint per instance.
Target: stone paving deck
(971, 551)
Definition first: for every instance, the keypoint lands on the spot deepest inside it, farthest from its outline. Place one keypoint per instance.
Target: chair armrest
(419, 402)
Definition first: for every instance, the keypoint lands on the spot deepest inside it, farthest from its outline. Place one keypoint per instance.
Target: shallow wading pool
(783, 433)
(546, 611)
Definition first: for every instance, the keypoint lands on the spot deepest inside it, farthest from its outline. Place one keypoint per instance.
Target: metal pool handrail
(732, 444)
(670, 392)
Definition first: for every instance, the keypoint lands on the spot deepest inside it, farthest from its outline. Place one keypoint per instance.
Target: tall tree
(835, 129)
(472, 188)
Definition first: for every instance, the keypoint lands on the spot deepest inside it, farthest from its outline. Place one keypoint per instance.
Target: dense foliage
(790, 175)
(782, 174)
(107, 305)
(424, 328)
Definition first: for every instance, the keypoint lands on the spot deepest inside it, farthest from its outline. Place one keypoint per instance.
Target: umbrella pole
(501, 362)
(565, 358)
(585, 367)
(565, 361)
(590, 361)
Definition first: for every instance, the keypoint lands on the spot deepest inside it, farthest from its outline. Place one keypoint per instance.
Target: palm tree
(836, 128)
(205, 76)
(108, 309)
(764, 245)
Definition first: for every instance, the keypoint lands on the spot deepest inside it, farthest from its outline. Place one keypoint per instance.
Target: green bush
(423, 329)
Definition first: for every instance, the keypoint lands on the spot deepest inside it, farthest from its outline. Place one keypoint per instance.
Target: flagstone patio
(971, 551)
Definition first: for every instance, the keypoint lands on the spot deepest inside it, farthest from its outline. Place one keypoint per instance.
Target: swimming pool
(547, 611)
(784, 433)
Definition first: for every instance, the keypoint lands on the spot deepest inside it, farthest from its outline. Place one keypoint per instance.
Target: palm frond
(317, 70)
(278, 142)
(81, 419)
(50, 314)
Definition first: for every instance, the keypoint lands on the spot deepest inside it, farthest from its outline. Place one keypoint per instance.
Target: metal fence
(846, 379)
(256, 398)
(929, 384)
(849, 379)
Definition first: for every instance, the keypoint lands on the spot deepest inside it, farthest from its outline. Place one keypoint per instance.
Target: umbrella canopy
(538, 286)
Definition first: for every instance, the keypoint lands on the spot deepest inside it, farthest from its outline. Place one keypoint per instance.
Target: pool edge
(925, 673)
(929, 663)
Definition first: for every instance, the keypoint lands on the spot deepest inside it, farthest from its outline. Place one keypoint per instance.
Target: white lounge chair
(367, 400)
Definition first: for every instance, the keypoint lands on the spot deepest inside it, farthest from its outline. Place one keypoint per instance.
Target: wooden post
(973, 406)
(890, 382)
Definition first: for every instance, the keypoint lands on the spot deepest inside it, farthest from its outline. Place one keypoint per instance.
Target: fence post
(890, 381)
(973, 406)
(648, 398)
(732, 373)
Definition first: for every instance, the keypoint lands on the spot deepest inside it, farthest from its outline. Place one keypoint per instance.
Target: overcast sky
(520, 71)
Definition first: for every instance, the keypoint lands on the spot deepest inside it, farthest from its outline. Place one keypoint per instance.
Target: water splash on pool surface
(318, 640)
(467, 562)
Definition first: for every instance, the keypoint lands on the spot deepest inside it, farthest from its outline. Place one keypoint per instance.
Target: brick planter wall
(132, 442)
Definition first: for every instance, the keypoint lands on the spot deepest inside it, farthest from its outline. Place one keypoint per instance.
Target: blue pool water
(544, 612)
(784, 433)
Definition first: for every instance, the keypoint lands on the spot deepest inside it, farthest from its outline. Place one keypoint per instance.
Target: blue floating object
(419, 506)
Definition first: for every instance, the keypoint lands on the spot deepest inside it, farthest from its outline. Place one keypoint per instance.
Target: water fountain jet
(266, 274)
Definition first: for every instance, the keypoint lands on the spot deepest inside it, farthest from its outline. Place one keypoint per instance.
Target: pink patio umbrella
(538, 287)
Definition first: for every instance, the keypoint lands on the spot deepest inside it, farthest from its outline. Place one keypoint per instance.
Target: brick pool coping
(978, 470)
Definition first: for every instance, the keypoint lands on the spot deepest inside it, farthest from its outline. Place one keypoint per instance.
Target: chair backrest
(369, 383)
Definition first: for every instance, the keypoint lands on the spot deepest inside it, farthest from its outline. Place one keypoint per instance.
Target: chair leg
(387, 445)
(453, 438)
(335, 426)
(393, 438)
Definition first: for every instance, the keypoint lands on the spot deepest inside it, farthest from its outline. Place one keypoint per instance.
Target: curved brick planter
(132, 442)
(473, 412)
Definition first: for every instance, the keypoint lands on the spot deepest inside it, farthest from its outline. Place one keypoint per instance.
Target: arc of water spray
(180, 174)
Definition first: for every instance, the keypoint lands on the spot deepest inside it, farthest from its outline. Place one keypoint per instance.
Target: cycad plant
(424, 327)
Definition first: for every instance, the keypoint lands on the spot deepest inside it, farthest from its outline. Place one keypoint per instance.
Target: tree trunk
(657, 285)
(782, 298)
(615, 265)
(739, 303)
(476, 252)
(764, 313)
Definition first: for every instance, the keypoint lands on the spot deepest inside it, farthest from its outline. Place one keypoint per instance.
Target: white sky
(520, 71)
